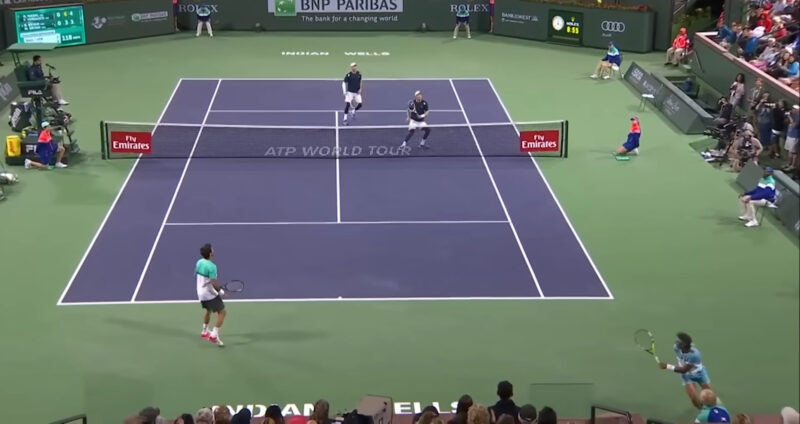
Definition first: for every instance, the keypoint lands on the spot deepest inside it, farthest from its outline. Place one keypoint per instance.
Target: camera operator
(725, 112)
(745, 147)
(36, 73)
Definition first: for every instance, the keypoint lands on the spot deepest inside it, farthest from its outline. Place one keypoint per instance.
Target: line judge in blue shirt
(611, 59)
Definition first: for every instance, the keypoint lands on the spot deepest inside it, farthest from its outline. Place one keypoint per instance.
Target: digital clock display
(565, 27)
(62, 25)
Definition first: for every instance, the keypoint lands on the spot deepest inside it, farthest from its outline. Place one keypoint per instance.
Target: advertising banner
(127, 19)
(342, 15)
(8, 89)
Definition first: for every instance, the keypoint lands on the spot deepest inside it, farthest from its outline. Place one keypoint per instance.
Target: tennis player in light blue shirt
(690, 367)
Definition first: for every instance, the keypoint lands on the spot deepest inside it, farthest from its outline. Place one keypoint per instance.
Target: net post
(566, 138)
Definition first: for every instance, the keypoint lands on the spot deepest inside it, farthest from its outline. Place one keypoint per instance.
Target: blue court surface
(472, 226)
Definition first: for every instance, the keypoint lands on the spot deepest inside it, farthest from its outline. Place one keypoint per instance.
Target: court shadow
(231, 338)
(270, 336)
(153, 328)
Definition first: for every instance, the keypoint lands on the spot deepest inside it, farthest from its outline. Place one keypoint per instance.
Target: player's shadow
(231, 338)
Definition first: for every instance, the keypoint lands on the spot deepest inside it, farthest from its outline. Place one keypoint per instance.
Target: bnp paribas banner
(343, 15)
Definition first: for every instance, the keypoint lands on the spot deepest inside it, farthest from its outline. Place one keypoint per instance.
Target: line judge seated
(611, 59)
(36, 73)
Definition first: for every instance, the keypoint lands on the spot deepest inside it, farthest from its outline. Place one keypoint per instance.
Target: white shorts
(412, 124)
(349, 97)
(791, 145)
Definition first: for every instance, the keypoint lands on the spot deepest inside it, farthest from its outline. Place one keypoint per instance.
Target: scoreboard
(565, 27)
(62, 25)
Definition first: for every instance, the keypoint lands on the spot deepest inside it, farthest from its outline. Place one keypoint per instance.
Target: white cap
(417, 93)
(353, 64)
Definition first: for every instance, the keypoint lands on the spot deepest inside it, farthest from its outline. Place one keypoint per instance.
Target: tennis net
(151, 140)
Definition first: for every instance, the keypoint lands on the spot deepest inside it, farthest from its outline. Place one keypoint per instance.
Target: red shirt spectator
(765, 21)
(780, 32)
(680, 41)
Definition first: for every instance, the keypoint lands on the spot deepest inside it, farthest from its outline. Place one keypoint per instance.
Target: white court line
(114, 203)
(320, 111)
(174, 195)
(550, 189)
(497, 191)
(338, 190)
(319, 127)
(330, 299)
(335, 79)
(244, 223)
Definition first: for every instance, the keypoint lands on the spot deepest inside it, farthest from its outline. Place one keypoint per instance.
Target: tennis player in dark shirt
(417, 111)
(351, 88)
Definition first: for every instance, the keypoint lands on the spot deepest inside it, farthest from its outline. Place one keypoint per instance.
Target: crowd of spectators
(504, 411)
(769, 39)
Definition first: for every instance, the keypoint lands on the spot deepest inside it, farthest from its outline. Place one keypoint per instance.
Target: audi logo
(612, 26)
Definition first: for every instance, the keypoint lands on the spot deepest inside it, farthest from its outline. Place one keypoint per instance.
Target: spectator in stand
(506, 405)
(748, 44)
(768, 56)
(728, 35)
(185, 419)
(765, 21)
(204, 416)
(222, 415)
(778, 29)
(427, 415)
(789, 416)
(780, 120)
(742, 419)
(754, 98)
(712, 411)
(462, 407)
(759, 196)
(478, 414)
(506, 419)
(612, 57)
(764, 118)
(676, 52)
(792, 145)
(791, 70)
(321, 414)
(242, 417)
(547, 416)
(753, 16)
(273, 415)
(736, 91)
(778, 6)
(527, 414)
(149, 415)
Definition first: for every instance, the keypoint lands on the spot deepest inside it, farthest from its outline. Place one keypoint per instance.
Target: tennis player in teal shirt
(210, 294)
(690, 367)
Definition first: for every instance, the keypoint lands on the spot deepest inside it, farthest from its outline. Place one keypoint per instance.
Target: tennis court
(462, 220)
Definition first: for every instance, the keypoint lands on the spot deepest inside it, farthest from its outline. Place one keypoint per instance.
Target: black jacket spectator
(505, 391)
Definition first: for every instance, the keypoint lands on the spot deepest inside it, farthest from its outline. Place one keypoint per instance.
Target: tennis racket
(645, 340)
(233, 286)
